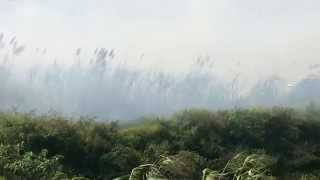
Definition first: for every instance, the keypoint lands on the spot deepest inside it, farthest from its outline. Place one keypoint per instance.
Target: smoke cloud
(167, 55)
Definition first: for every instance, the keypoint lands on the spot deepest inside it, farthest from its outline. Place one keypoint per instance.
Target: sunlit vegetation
(277, 143)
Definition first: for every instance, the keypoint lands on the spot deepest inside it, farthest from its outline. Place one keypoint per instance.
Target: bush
(198, 138)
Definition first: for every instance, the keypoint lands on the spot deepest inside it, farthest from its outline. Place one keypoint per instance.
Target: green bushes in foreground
(193, 144)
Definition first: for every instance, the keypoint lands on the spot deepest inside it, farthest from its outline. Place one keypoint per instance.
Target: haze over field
(167, 55)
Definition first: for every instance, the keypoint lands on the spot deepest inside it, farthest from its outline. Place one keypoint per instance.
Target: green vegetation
(277, 143)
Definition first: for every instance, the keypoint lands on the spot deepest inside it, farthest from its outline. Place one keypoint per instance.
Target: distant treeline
(284, 142)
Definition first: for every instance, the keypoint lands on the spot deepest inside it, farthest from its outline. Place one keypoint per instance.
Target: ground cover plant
(256, 143)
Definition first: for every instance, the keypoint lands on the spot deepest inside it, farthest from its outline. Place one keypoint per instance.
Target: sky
(261, 37)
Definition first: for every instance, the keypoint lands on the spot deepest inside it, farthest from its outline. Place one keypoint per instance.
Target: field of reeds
(104, 86)
(100, 119)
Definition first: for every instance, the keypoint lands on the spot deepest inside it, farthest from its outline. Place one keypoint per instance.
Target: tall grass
(105, 87)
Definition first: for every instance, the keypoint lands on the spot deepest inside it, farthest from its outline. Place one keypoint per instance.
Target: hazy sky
(271, 36)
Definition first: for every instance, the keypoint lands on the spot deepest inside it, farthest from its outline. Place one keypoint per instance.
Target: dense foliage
(192, 144)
